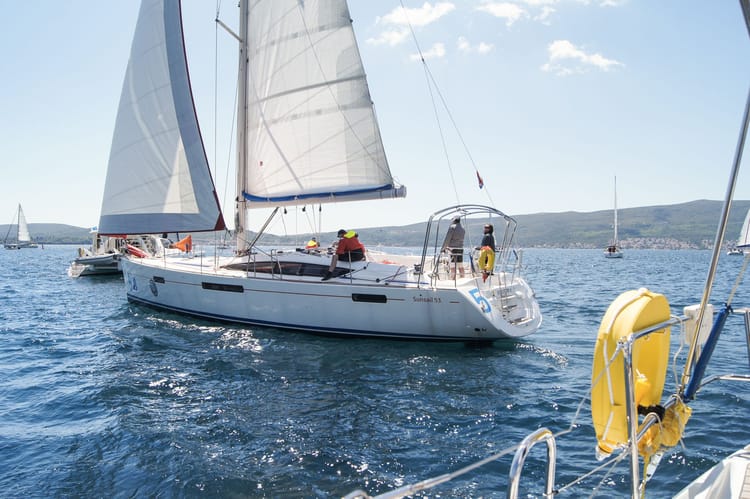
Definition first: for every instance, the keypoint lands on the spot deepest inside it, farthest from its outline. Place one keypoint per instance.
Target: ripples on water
(99, 396)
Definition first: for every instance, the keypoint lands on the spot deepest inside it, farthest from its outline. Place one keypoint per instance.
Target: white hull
(375, 299)
(613, 254)
(729, 478)
(21, 245)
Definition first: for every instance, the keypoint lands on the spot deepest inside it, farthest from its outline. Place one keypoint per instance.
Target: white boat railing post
(632, 412)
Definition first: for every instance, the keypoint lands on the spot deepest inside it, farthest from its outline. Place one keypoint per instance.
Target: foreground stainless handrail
(541, 435)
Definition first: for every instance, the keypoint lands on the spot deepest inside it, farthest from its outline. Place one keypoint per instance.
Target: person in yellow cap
(348, 249)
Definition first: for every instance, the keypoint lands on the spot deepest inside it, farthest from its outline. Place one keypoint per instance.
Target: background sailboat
(613, 250)
(23, 238)
(743, 243)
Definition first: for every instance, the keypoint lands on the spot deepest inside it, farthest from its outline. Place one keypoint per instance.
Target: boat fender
(630, 312)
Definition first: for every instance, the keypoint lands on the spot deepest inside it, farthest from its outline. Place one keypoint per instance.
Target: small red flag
(479, 179)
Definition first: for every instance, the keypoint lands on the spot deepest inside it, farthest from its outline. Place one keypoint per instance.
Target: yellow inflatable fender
(630, 312)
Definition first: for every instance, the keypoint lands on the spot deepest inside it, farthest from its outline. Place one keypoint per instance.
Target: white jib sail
(158, 178)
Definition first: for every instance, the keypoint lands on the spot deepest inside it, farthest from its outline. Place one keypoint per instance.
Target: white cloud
(537, 10)
(481, 48)
(545, 14)
(540, 3)
(390, 37)
(396, 23)
(421, 16)
(436, 52)
(565, 58)
(484, 48)
(511, 12)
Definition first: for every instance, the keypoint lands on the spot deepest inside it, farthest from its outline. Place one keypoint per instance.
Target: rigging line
(216, 109)
(216, 92)
(310, 219)
(231, 141)
(455, 125)
(738, 280)
(442, 135)
(432, 99)
(431, 78)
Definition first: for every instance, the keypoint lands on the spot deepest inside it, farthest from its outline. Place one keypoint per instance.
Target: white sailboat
(307, 134)
(614, 250)
(23, 237)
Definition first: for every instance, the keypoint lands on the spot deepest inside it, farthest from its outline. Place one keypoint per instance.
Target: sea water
(101, 397)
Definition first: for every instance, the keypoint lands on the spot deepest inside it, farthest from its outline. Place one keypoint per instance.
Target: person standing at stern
(454, 243)
(487, 253)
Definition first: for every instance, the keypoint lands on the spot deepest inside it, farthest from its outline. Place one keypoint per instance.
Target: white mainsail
(312, 136)
(158, 178)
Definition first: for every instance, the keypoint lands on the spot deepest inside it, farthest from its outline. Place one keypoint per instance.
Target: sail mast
(240, 206)
(615, 211)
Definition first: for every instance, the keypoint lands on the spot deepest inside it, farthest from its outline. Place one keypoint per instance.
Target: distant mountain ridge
(686, 225)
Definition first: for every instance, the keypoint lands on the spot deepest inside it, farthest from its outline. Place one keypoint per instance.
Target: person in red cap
(349, 249)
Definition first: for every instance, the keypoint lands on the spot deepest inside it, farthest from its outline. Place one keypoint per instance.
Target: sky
(552, 99)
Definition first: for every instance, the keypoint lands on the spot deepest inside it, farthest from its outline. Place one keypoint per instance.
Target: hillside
(687, 225)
